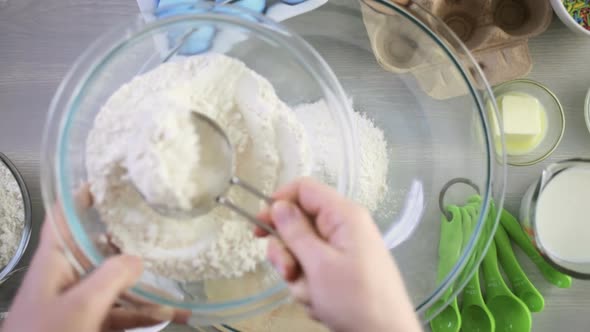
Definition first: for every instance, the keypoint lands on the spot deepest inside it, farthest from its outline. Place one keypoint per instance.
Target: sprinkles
(579, 10)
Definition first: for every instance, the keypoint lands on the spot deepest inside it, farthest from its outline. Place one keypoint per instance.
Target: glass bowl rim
(299, 49)
(487, 196)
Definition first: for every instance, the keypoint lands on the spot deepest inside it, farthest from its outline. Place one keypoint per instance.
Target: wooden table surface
(40, 39)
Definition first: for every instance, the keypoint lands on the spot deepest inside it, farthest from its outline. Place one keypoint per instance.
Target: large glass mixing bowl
(295, 70)
(403, 68)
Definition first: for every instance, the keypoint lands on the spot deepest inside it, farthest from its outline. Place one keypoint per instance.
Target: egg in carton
(495, 32)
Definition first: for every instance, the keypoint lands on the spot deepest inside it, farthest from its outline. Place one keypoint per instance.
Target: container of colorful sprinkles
(575, 14)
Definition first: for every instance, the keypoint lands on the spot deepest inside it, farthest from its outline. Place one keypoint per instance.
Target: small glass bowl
(26, 233)
(587, 110)
(553, 112)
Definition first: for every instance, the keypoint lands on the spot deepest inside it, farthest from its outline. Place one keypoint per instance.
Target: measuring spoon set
(502, 308)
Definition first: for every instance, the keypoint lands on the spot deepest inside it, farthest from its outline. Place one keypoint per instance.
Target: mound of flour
(12, 214)
(177, 136)
(140, 142)
(129, 137)
(373, 161)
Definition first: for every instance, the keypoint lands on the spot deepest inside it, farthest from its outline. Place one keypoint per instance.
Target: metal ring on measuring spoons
(445, 188)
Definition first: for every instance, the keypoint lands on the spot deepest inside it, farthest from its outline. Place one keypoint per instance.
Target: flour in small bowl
(140, 143)
(12, 215)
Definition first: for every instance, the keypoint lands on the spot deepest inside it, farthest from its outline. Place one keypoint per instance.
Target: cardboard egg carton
(496, 32)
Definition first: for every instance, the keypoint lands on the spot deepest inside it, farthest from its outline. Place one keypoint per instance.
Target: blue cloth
(201, 39)
(198, 41)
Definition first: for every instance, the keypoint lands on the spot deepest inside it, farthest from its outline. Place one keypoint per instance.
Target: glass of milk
(555, 213)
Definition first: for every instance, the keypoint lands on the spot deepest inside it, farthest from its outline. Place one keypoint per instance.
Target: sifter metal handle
(235, 181)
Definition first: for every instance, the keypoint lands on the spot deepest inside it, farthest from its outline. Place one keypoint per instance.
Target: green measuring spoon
(475, 315)
(522, 286)
(509, 312)
(488, 225)
(512, 226)
(449, 250)
(473, 213)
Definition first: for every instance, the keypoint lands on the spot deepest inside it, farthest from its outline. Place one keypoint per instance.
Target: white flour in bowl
(373, 162)
(12, 214)
(272, 144)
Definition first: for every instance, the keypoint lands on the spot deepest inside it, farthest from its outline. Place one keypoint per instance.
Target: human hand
(335, 261)
(52, 299)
